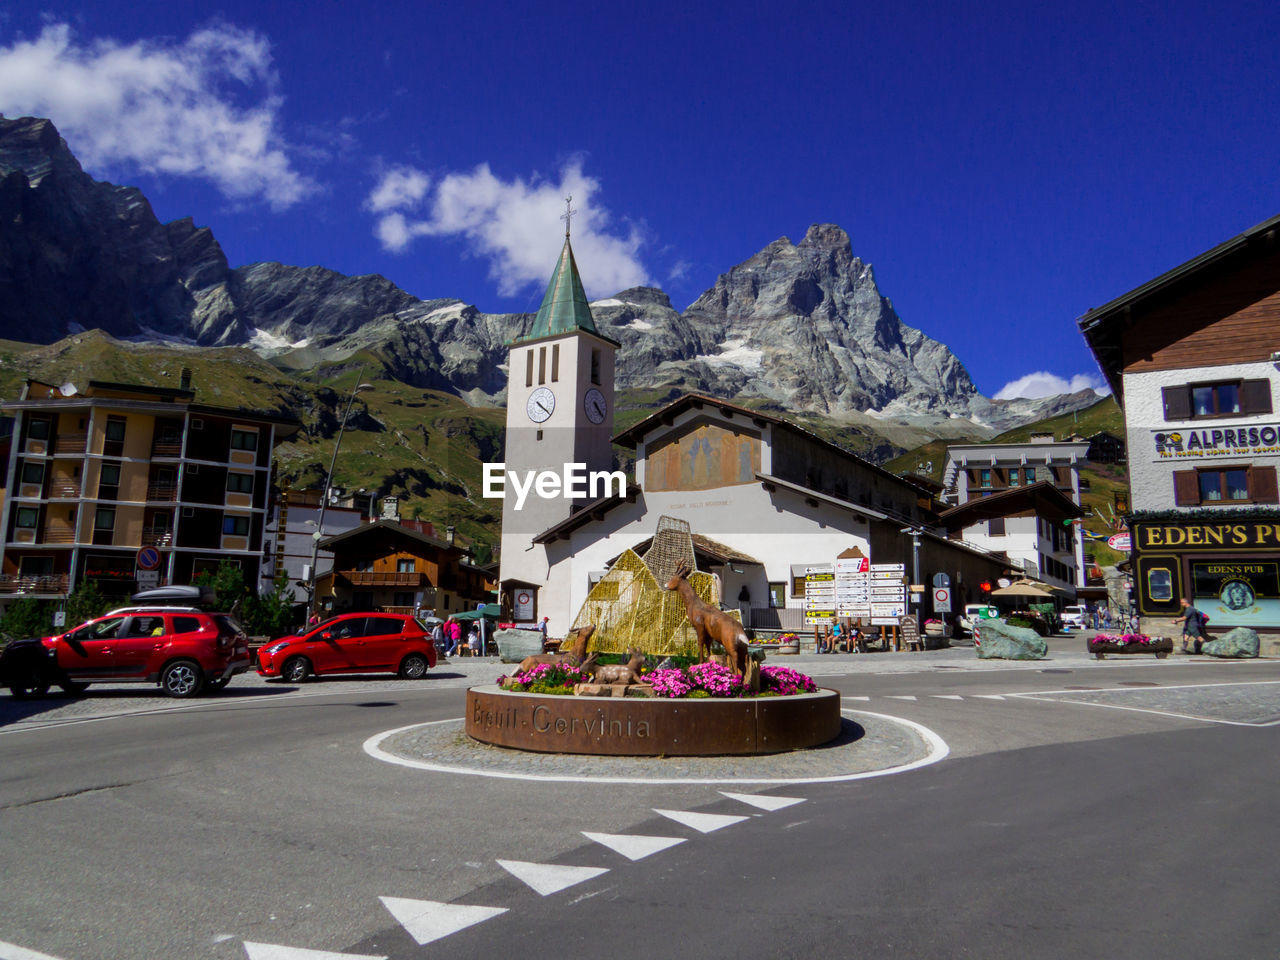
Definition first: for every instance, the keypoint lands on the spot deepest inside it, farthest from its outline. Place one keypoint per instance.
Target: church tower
(560, 394)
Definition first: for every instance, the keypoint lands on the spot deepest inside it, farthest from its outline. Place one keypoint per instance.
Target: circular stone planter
(652, 726)
(1160, 646)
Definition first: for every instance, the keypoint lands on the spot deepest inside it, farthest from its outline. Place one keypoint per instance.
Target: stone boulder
(515, 645)
(1240, 643)
(999, 641)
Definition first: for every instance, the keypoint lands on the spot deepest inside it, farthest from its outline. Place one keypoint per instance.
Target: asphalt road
(1083, 810)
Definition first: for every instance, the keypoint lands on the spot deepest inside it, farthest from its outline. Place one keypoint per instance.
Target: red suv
(183, 649)
(352, 643)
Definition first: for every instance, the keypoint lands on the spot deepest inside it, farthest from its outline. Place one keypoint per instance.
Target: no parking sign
(941, 599)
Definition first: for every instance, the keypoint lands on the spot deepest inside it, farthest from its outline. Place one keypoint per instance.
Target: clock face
(542, 403)
(595, 405)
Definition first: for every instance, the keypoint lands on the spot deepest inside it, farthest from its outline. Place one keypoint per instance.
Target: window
(528, 369)
(995, 526)
(1224, 398)
(777, 595)
(105, 519)
(595, 366)
(402, 598)
(542, 365)
(185, 624)
(1225, 485)
(555, 363)
(38, 428)
(1013, 477)
(33, 472)
(1160, 583)
(115, 429)
(235, 526)
(110, 475)
(797, 586)
(406, 565)
(244, 440)
(28, 517)
(984, 478)
(364, 565)
(240, 482)
(1029, 473)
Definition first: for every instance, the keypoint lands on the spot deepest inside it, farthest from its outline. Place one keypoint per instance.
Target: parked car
(972, 613)
(1075, 617)
(183, 649)
(352, 643)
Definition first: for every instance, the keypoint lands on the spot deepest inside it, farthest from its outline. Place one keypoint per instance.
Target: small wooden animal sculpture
(577, 655)
(711, 625)
(626, 673)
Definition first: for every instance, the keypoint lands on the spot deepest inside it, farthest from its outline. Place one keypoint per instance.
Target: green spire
(565, 307)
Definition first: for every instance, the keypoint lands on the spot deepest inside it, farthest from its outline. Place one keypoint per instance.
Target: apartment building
(131, 486)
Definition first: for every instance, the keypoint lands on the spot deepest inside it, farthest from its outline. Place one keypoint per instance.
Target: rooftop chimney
(184, 378)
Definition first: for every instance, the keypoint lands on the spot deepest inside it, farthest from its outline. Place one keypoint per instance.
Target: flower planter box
(793, 647)
(1161, 647)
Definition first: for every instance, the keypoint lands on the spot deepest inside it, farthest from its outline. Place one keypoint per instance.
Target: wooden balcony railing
(157, 538)
(64, 488)
(57, 583)
(365, 578)
(166, 448)
(162, 492)
(58, 535)
(69, 443)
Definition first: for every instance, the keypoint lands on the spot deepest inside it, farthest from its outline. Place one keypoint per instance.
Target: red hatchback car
(352, 643)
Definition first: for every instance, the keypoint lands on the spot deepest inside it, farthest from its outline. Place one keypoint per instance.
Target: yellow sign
(1207, 536)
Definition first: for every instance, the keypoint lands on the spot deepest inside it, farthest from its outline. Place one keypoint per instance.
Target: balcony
(64, 489)
(58, 534)
(166, 448)
(157, 538)
(162, 492)
(390, 580)
(57, 583)
(68, 443)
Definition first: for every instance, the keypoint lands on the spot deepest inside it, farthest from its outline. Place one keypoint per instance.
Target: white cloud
(1042, 383)
(514, 224)
(162, 107)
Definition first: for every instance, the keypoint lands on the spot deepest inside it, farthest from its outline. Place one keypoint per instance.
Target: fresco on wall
(706, 456)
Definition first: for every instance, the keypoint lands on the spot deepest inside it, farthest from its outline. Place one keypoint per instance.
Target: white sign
(941, 599)
(147, 578)
(60, 618)
(524, 604)
(819, 594)
(1121, 541)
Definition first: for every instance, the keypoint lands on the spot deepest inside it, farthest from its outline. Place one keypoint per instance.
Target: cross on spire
(567, 216)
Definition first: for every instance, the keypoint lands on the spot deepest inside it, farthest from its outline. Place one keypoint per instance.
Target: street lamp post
(328, 485)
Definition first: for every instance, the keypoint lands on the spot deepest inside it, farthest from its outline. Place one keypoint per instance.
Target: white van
(1074, 617)
(973, 612)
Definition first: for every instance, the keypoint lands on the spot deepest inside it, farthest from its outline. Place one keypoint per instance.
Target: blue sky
(1004, 167)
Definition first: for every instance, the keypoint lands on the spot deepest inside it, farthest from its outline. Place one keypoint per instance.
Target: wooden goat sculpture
(710, 624)
(576, 656)
(627, 673)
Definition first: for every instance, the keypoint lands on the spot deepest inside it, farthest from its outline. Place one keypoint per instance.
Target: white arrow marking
(428, 920)
(548, 878)
(702, 822)
(274, 951)
(901, 698)
(763, 802)
(946, 696)
(633, 846)
(11, 951)
(988, 696)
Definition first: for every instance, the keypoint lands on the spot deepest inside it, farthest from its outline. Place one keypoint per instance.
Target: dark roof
(1103, 326)
(392, 527)
(1045, 498)
(168, 393)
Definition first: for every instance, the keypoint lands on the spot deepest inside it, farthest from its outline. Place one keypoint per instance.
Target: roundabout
(866, 745)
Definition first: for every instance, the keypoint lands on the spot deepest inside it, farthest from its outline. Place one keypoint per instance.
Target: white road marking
(549, 878)
(764, 802)
(428, 920)
(937, 747)
(633, 846)
(945, 696)
(11, 951)
(901, 698)
(1048, 696)
(702, 822)
(988, 696)
(855, 698)
(274, 951)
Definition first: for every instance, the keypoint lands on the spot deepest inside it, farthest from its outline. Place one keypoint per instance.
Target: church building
(764, 498)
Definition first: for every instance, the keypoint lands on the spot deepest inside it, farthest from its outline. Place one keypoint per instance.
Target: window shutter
(1186, 488)
(1255, 396)
(1177, 403)
(1262, 485)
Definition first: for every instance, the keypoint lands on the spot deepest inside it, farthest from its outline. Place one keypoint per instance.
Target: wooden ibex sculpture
(711, 624)
(628, 672)
(576, 656)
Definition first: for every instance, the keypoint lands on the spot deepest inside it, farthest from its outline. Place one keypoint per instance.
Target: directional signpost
(820, 594)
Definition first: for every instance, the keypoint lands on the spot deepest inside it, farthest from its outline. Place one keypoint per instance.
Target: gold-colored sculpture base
(652, 726)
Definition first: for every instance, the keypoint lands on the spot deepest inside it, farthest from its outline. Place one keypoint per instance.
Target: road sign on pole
(941, 599)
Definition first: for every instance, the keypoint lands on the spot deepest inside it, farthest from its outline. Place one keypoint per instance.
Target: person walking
(437, 637)
(453, 633)
(473, 641)
(1193, 622)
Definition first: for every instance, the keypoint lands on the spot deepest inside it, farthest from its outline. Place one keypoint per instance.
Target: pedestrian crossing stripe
(428, 920)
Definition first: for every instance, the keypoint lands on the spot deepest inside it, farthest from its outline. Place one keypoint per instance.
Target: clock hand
(541, 407)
